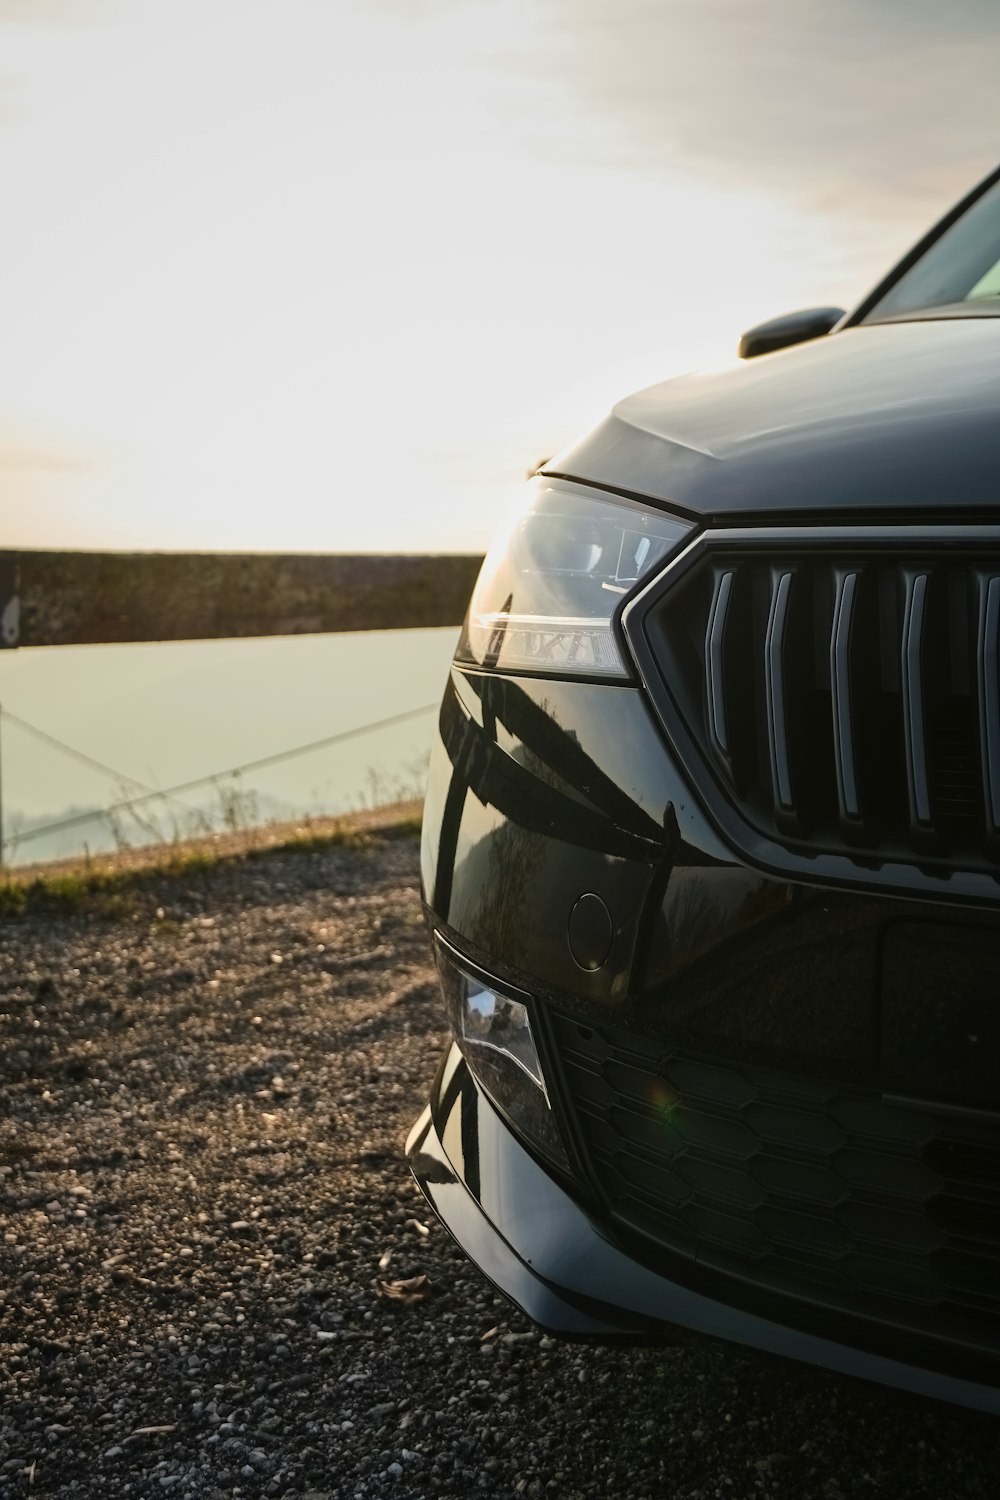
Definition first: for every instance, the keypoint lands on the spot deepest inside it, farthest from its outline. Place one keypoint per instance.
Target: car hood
(879, 418)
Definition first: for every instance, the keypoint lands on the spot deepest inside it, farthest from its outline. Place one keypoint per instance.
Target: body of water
(161, 715)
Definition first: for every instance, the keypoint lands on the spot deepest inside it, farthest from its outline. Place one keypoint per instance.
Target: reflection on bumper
(554, 1261)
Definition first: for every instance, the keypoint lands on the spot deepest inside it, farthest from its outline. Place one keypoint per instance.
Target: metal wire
(127, 803)
(87, 760)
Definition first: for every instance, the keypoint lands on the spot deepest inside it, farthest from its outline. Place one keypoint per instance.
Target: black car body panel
(772, 1056)
(861, 1006)
(850, 425)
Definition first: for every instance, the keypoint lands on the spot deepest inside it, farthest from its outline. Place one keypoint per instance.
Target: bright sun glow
(334, 275)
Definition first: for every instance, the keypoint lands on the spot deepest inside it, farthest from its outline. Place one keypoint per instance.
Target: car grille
(792, 1184)
(836, 694)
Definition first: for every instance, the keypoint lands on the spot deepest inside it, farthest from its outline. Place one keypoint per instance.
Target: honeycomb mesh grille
(794, 1184)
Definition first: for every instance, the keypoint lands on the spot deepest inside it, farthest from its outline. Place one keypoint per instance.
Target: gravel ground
(206, 1089)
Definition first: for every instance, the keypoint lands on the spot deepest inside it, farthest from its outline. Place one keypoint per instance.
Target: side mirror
(793, 328)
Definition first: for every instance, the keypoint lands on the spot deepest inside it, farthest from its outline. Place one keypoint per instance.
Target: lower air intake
(792, 1184)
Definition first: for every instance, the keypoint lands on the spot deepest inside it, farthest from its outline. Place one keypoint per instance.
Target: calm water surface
(165, 714)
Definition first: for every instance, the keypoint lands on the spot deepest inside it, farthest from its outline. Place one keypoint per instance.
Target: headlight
(493, 1031)
(553, 578)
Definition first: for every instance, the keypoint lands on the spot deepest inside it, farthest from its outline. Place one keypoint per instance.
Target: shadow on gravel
(201, 1125)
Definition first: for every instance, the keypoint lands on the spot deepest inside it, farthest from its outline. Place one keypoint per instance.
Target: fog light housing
(492, 1027)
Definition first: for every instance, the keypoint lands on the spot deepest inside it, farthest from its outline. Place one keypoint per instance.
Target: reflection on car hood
(881, 417)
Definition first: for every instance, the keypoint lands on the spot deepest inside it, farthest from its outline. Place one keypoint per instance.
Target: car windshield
(960, 271)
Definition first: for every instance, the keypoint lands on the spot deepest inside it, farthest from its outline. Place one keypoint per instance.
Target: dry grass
(111, 883)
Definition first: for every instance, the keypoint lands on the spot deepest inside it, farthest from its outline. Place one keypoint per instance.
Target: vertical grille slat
(715, 664)
(914, 727)
(838, 693)
(848, 797)
(774, 683)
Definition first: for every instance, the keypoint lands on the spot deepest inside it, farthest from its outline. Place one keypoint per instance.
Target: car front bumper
(555, 1262)
(778, 1099)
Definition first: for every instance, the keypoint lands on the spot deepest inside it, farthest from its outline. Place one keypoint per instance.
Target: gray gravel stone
(229, 1130)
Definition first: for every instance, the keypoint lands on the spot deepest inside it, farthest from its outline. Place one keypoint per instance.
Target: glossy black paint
(789, 329)
(552, 802)
(543, 790)
(870, 421)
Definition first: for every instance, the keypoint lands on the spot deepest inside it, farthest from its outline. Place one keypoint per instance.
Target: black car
(711, 853)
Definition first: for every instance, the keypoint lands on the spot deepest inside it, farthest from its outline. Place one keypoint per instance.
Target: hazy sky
(333, 273)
